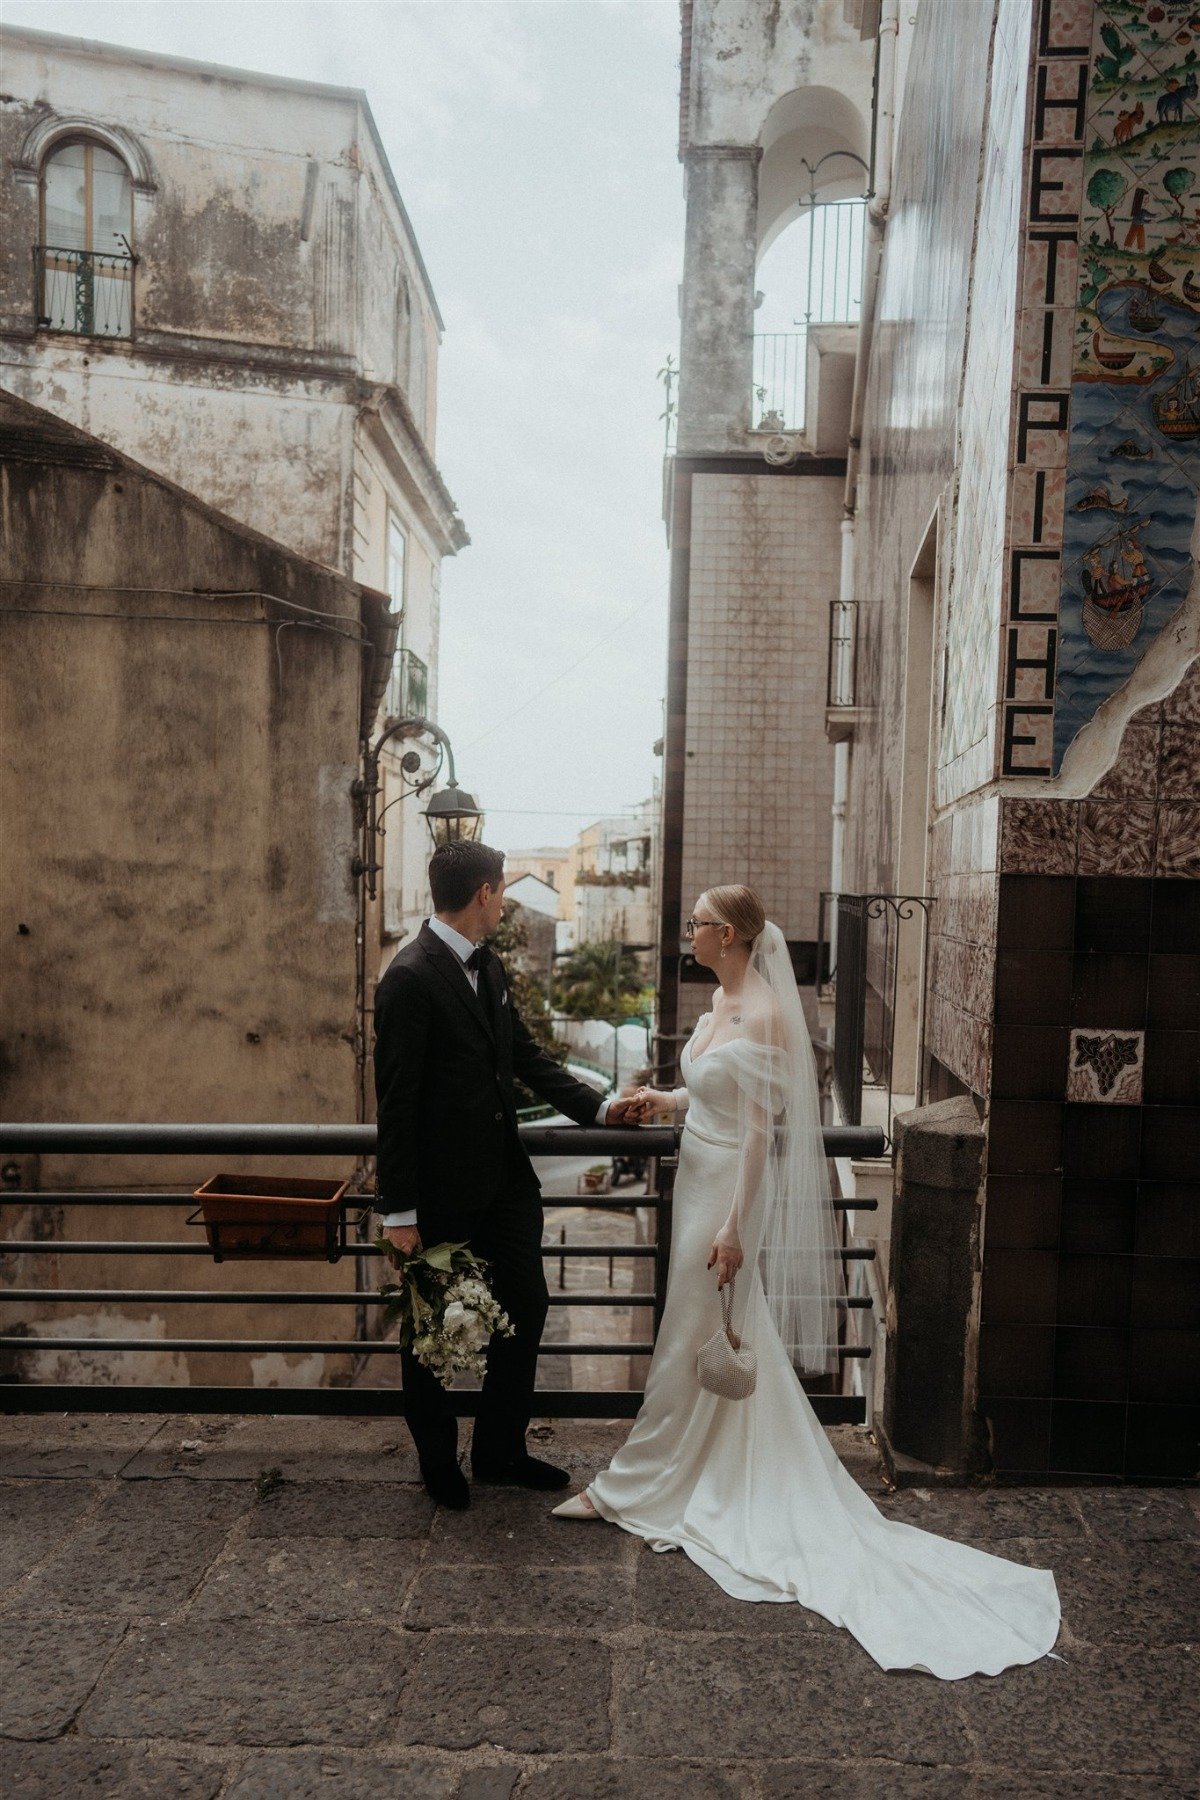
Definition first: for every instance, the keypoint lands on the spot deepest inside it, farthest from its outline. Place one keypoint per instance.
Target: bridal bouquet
(446, 1309)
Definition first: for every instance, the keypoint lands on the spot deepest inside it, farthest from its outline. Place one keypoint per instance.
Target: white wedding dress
(753, 1491)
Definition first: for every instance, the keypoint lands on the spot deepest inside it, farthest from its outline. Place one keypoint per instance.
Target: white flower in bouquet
(448, 1314)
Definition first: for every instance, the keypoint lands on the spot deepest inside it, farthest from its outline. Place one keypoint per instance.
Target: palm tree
(595, 981)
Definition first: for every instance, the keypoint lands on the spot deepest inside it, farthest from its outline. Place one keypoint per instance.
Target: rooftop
(251, 1607)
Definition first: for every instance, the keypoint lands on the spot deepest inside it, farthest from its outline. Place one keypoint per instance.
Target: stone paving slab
(978, 1516)
(731, 1696)
(504, 1525)
(674, 1595)
(48, 1668)
(518, 1693)
(72, 1444)
(337, 1775)
(120, 1570)
(1144, 1595)
(622, 1778)
(230, 1681)
(302, 1449)
(36, 1518)
(1123, 1711)
(69, 1768)
(306, 1578)
(521, 1599)
(502, 1653)
(369, 1509)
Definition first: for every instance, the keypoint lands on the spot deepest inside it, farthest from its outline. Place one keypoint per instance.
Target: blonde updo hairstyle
(739, 907)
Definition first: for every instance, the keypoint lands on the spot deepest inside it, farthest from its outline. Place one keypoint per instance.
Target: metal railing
(833, 296)
(358, 1141)
(841, 682)
(408, 686)
(86, 292)
(882, 945)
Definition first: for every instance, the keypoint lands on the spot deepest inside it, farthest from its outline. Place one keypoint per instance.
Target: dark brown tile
(1038, 837)
(1173, 991)
(1166, 1292)
(1179, 776)
(1112, 913)
(1108, 991)
(1091, 1363)
(1022, 1212)
(1101, 1143)
(1016, 1359)
(1116, 837)
(1170, 1142)
(1094, 1290)
(1036, 912)
(1172, 1075)
(1087, 1437)
(1032, 988)
(1024, 1138)
(1019, 1433)
(1168, 1218)
(1029, 1062)
(1098, 1217)
(1019, 1287)
(1162, 1443)
(1164, 1365)
(1177, 845)
(1175, 923)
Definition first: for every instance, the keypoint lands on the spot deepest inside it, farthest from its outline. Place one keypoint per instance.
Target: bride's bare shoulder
(763, 1019)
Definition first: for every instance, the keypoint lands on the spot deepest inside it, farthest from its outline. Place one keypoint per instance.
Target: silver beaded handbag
(726, 1364)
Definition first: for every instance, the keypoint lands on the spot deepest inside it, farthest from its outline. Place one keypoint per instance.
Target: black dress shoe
(447, 1485)
(523, 1471)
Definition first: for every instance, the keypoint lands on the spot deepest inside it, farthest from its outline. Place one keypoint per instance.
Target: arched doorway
(85, 254)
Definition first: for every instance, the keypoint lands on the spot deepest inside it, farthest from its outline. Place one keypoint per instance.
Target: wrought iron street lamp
(451, 813)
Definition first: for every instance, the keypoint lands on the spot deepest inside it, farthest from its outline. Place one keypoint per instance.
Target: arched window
(85, 258)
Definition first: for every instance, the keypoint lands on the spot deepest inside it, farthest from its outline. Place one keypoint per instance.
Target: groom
(448, 1045)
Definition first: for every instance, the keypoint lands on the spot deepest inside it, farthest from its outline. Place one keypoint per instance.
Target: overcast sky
(534, 144)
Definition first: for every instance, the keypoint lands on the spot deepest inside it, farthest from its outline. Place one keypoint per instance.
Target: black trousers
(510, 1241)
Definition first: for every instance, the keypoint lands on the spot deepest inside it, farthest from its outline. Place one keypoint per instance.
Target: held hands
(634, 1109)
(726, 1253)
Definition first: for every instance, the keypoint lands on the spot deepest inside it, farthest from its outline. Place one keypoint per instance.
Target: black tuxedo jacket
(445, 1061)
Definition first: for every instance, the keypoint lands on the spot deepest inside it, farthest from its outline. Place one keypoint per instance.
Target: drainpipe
(877, 211)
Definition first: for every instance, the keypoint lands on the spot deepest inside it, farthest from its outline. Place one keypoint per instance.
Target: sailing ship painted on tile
(1135, 390)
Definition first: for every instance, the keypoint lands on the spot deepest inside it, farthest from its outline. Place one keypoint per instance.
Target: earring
(722, 950)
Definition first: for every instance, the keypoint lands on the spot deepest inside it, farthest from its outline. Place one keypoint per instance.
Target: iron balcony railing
(833, 254)
(203, 1142)
(408, 686)
(881, 944)
(841, 681)
(86, 292)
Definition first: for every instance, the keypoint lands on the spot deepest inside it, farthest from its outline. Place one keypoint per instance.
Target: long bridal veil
(784, 1204)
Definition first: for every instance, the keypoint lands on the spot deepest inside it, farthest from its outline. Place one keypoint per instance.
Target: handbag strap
(727, 1305)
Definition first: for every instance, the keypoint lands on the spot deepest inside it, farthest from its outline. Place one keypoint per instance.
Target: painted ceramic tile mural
(1107, 467)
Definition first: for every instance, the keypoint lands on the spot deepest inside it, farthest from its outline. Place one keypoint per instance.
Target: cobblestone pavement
(171, 1629)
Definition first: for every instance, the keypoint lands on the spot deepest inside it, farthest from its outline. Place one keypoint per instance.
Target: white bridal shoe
(577, 1507)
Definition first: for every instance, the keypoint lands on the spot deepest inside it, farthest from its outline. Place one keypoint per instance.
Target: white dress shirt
(462, 948)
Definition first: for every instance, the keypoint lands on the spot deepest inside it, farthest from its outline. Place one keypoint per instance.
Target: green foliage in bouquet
(447, 1311)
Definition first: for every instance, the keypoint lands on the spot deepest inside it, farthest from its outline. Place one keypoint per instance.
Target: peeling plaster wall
(180, 906)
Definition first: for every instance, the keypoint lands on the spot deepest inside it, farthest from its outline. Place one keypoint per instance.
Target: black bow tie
(476, 959)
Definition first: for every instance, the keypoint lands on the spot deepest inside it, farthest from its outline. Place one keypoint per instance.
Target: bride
(751, 1489)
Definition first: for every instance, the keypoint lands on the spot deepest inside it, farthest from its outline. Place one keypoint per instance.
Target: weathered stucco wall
(175, 775)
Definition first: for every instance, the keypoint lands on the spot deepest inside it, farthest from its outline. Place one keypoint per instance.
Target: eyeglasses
(691, 924)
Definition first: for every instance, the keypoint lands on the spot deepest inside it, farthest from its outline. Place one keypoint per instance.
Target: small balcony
(85, 293)
(841, 685)
(408, 687)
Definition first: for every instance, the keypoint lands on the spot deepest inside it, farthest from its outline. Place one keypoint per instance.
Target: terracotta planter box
(272, 1217)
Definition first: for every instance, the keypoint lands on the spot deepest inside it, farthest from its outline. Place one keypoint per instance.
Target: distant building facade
(214, 272)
